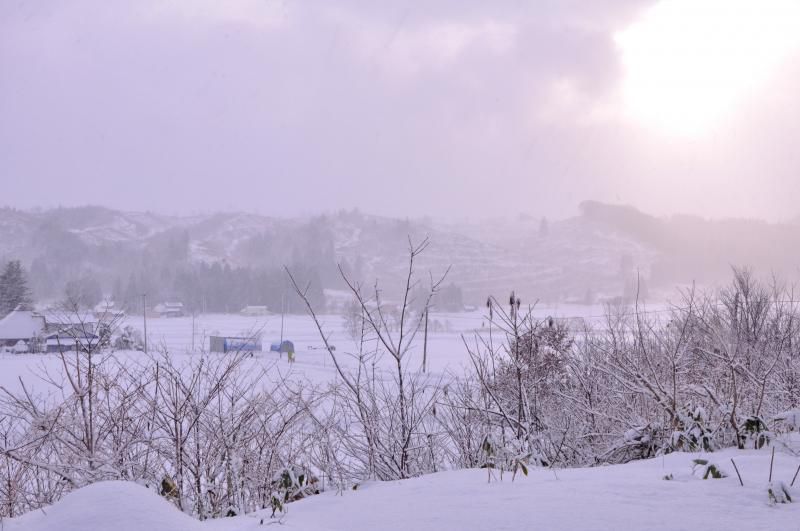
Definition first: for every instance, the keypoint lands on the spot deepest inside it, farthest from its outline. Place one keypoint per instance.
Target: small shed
(234, 344)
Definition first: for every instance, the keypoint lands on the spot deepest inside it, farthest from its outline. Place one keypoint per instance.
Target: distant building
(30, 331)
(67, 330)
(70, 339)
(254, 310)
(169, 309)
(21, 330)
(234, 344)
(58, 320)
(107, 312)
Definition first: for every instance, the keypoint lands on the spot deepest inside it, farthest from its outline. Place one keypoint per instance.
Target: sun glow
(689, 63)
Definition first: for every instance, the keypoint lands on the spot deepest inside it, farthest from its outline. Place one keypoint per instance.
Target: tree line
(218, 288)
(213, 288)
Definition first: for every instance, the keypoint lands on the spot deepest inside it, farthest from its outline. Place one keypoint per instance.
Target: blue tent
(285, 346)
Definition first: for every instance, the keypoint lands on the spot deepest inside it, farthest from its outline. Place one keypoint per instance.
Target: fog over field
(396, 265)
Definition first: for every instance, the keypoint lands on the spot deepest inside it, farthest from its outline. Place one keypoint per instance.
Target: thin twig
(771, 461)
(737, 472)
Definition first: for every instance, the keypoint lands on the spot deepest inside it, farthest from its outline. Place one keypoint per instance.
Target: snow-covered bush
(756, 431)
(129, 338)
(291, 484)
(502, 458)
(217, 432)
(789, 420)
(705, 469)
(778, 492)
(639, 442)
(693, 433)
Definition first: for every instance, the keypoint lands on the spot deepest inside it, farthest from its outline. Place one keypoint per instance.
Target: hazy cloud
(444, 108)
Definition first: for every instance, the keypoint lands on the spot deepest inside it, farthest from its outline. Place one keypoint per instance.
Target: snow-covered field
(185, 336)
(621, 497)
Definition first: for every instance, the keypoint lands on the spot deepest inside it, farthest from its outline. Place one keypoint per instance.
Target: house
(107, 312)
(169, 309)
(57, 320)
(254, 310)
(63, 329)
(71, 339)
(24, 326)
(30, 331)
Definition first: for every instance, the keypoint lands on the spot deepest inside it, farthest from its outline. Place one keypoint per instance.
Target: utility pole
(192, 332)
(425, 343)
(283, 312)
(144, 315)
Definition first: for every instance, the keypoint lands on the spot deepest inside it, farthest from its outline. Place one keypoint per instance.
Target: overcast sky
(447, 108)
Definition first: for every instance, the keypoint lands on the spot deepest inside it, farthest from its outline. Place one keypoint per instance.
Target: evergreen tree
(14, 290)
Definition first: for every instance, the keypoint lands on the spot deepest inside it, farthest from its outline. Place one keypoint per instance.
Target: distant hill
(593, 256)
(692, 248)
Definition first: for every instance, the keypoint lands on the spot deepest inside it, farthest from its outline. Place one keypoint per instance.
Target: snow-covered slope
(107, 506)
(595, 255)
(487, 257)
(631, 496)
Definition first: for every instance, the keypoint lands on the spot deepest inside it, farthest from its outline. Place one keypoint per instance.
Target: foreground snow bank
(631, 496)
(107, 506)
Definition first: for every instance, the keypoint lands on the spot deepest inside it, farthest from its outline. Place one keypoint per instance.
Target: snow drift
(107, 506)
(631, 496)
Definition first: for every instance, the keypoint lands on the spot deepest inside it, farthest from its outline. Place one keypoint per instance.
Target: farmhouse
(254, 310)
(21, 329)
(31, 331)
(69, 339)
(107, 312)
(169, 309)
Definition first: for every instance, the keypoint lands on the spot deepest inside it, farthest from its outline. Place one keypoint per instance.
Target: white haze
(446, 108)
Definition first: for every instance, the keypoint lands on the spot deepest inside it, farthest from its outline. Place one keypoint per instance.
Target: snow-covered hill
(595, 255)
(634, 496)
(573, 258)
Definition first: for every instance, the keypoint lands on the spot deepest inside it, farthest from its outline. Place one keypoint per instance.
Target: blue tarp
(285, 346)
(243, 345)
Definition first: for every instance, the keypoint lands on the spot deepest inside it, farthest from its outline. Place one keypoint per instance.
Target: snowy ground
(186, 336)
(631, 496)
(183, 333)
(446, 351)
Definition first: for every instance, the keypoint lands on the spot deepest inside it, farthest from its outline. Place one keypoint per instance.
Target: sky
(445, 108)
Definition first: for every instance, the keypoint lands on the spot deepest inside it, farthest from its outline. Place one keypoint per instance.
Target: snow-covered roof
(57, 318)
(21, 324)
(104, 306)
(69, 341)
(168, 307)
